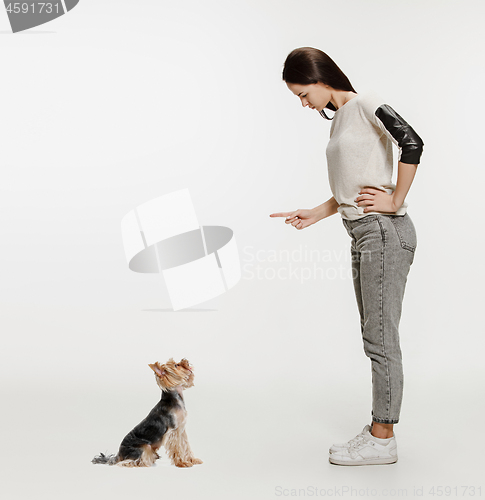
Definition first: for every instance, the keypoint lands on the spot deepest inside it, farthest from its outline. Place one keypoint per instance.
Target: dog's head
(172, 374)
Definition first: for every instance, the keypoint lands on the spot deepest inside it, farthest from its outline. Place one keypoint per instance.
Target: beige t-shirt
(359, 152)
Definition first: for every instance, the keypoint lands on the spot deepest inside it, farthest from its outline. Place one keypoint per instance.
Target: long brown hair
(307, 65)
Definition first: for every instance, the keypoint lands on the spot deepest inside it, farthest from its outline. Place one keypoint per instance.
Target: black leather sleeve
(406, 138)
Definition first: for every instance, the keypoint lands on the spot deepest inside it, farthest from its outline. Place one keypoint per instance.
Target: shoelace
(356, 443)
(355, 440)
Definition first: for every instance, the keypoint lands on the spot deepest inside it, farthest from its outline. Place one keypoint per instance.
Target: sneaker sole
(375, 461)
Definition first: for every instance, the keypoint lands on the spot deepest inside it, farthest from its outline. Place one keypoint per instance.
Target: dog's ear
(159, 371)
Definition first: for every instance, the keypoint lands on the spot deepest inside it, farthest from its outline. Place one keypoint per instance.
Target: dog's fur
(164, 425)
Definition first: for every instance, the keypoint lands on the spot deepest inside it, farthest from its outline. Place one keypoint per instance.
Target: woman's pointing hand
(300, 219)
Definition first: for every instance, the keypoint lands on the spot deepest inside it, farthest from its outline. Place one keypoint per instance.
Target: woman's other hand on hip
(376, 200)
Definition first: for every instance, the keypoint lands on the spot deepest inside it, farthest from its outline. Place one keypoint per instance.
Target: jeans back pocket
(406, 231)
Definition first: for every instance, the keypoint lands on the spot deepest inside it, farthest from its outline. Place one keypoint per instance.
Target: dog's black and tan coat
(163, 426)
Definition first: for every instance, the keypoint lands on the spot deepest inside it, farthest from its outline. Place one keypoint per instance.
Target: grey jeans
(382, 250)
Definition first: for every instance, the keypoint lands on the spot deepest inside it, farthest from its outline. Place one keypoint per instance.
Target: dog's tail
(105, 459)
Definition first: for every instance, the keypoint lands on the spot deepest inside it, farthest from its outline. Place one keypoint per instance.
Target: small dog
(164, 425)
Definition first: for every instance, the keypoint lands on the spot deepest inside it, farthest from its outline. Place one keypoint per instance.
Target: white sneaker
(340, 446)
(365, 449)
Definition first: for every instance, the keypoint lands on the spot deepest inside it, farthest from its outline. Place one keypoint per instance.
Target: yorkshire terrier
(164, 425)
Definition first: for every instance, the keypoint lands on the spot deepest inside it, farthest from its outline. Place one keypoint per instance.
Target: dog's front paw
(181, 463)
(196, 461)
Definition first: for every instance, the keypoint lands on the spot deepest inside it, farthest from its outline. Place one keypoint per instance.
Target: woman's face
(315, 96)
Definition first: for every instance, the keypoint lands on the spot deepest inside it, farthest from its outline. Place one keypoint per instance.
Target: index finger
(281, 214)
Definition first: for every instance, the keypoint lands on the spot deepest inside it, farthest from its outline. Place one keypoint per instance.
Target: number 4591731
(37, 7)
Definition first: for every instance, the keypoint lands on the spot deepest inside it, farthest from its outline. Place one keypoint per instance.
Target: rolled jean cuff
(384, 420)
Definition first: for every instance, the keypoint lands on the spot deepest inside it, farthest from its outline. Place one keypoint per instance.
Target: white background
(119, 102)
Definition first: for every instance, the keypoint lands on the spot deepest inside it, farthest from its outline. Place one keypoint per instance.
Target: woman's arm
(410, 145)
(405, 176)
(326, 209)
(306, 217)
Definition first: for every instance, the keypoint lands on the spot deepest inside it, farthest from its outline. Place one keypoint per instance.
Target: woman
(373, 211)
